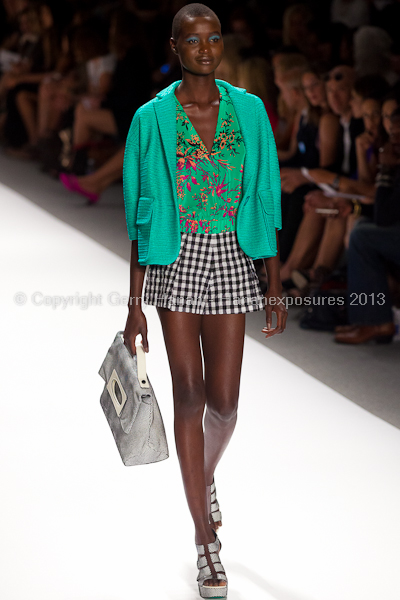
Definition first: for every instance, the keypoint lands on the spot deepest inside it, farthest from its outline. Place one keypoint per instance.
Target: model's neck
(197, 89)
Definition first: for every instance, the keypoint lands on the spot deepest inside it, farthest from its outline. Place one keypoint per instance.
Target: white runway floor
(309, 487)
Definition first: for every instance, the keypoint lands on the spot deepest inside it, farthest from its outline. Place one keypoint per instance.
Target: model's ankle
(204, 535)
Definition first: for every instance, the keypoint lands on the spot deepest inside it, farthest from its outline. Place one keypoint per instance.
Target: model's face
(199, 46)
(388, 109)
(371, 114)
(314, 89)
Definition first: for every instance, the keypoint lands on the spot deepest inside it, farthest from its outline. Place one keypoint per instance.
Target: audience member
(256, 76)
(372, 53)
(130, 88)
(374, 248)
(314, 144)
(38, 57)
(283, 62)
(351, 13)
(338, 89)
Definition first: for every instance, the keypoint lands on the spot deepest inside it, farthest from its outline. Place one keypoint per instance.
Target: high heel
(210, 567)
(70, 182)
(214, 514)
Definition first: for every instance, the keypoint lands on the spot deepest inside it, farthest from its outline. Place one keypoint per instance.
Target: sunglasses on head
(335, 77)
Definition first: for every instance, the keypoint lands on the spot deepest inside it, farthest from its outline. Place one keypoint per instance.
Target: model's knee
(189, 398)
(223, 409)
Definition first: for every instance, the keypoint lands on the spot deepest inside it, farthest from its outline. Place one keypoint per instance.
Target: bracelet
(356, 207)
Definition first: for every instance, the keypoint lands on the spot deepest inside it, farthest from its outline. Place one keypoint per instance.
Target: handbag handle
(141, 366)
(140, 362)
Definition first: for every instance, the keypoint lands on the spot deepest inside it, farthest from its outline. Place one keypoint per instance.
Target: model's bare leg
(86, 122)
(222, 341)
(103, 177)
(306, 244)
(182, 339)
(26, 103)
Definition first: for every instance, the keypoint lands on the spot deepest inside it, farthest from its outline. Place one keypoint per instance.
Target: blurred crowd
(72, 74)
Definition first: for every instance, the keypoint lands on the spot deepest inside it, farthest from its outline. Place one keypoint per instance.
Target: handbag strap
(141, 366)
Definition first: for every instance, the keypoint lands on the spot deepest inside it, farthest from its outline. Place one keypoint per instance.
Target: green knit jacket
(149, 179)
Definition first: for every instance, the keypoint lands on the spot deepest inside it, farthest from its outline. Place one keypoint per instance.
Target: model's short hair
(190, 11)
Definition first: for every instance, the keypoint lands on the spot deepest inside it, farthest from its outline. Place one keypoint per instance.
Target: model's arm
(136, 322)
(273, 297)
(131, 176)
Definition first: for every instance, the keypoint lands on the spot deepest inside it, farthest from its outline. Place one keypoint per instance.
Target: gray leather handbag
(130, 406)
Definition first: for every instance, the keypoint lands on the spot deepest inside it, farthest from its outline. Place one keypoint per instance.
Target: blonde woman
(256, 76)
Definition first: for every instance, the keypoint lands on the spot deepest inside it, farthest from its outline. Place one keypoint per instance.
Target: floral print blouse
(209, 186)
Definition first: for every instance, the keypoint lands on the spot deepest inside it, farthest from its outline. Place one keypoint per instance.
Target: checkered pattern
(211, 275)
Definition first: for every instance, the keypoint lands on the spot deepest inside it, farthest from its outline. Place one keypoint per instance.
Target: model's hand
(274, 302)
(136, 324)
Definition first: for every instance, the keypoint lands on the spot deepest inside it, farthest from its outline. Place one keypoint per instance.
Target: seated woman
(255, 75)
(82, 74)
(322, 238)
(314, 144)
(22, 82)
(130, 88)
(282, 62)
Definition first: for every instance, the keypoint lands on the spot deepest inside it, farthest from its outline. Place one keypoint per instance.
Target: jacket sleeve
(267, 137)
(131, 176)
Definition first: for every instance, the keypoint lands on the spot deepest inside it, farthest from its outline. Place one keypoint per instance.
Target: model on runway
(202, 201)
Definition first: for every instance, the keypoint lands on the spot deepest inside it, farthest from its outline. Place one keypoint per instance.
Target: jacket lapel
(166, 116)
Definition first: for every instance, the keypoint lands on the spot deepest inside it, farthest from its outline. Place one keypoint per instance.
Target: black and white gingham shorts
(211, 275)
